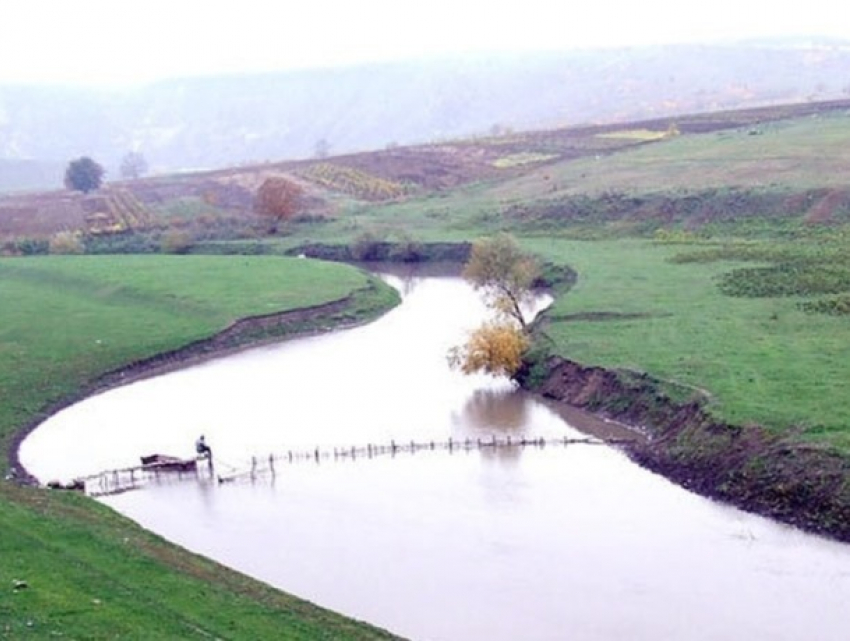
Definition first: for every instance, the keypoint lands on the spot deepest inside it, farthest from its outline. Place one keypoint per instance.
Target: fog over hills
(220, 121)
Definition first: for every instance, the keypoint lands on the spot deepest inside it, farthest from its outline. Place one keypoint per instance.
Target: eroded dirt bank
(773, 475)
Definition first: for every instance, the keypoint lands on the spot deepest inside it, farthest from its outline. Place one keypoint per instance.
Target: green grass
(760, 357)
(795, 154)
(90, 573)
(762, 360)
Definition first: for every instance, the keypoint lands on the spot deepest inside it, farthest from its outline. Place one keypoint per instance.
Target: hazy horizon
(103, 43)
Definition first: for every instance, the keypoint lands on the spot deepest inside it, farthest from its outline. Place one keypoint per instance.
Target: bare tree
(133, 165)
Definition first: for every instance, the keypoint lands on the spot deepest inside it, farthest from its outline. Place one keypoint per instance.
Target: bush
(30, 246)
(405, 249)
(367, 246)
(833, 306)
(175, 241)
(786, 279)
(66, 242)
(125, 243)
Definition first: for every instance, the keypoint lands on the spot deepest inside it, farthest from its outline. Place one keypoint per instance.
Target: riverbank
(779, 471)
(73, 567)
(745, 465)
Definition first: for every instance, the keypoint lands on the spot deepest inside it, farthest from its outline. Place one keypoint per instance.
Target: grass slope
(762, 360)
(791, 154)
(90, 573)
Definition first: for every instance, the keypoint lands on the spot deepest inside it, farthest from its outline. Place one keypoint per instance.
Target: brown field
(388, 174)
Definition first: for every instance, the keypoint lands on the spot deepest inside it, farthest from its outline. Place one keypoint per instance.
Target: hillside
(223, 121)
(710, 310)
(533, 176)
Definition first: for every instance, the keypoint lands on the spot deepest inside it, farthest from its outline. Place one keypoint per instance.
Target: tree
(280, 199)
(495, 348)
(84, 174)
(133, 165)
(504, 272)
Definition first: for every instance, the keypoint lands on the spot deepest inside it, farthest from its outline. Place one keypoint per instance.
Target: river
(573, 542)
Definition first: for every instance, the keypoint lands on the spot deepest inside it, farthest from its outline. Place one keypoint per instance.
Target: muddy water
(558, 543)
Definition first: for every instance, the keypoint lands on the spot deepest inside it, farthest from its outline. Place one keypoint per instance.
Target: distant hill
(18, 175)
(222, 121)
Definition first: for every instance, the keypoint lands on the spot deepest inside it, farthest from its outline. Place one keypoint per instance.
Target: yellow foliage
(354, 182)
(66, 242)
(521, 159)
(638, 135)
(495, 348)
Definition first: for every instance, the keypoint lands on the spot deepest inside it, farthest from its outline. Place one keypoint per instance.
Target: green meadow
(759, 360)
(714, 262)
(89, 573)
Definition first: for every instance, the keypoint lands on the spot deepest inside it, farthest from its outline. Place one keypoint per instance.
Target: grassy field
(717, 265)
(88, 572)
(794, 154)
(761, 360)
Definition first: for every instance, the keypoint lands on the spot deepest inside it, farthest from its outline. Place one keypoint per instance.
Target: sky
(122, 42)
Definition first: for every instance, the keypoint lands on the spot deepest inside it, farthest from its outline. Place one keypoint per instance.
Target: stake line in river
(125, 479)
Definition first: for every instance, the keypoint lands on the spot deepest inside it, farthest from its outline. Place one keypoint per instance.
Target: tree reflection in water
(494, 411)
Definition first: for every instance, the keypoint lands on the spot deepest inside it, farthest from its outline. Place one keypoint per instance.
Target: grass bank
(71, 567)
(755, 359)
(741, 389)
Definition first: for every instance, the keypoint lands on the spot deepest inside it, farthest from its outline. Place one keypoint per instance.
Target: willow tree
(505, 274)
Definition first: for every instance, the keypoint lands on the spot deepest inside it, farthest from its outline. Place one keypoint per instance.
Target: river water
(570, 542)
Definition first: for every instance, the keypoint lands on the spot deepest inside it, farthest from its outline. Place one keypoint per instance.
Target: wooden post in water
(271, 464)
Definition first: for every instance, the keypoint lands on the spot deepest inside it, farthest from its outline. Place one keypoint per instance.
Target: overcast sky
(128, 42)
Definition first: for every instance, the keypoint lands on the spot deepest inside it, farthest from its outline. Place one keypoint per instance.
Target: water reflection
(568, 542)
(494, 411)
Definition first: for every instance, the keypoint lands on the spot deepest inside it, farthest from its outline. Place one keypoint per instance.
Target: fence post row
(113, 481)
